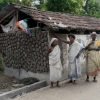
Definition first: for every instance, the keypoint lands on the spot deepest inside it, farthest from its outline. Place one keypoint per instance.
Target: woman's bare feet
(87, 79)
(51, 86)
(70, 81)
(74, 82)
(94, 79)
(58, 84)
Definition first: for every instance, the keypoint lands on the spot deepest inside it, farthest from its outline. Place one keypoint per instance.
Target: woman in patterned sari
(92, 58)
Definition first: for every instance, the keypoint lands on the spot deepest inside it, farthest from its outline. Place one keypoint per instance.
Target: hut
(30, 53)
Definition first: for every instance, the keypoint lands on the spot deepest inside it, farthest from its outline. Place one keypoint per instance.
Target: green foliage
(56, 5)
(79, 7)
(23, 2)
(70, 6)
(26, 2)
(92, 8)
(2, 3)
(43, 5)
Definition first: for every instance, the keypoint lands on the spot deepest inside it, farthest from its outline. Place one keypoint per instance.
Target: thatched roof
(56, 20)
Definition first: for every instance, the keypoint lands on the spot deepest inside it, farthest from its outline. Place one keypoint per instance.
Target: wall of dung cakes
(24, 51)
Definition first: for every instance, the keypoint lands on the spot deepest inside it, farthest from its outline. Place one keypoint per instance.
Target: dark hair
(71, 35)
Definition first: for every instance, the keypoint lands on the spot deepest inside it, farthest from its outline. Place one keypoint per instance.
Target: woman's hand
(50, 50)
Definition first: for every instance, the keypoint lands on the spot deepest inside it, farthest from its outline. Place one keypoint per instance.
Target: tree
(23, 2)
(70, 6)
(92, 8)
(27, 2)
(43, 5)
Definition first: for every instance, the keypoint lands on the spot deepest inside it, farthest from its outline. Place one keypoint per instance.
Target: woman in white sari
(74, 66)
(55, 62)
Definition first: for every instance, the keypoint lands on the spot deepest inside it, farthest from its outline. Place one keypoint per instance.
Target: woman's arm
(62, 39)
(89, 45)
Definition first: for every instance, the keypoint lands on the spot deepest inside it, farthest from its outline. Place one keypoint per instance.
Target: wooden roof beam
(7, 16)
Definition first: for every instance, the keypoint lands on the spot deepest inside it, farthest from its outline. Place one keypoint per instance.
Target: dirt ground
(5, 81)
(11, 83)
(81, 91)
